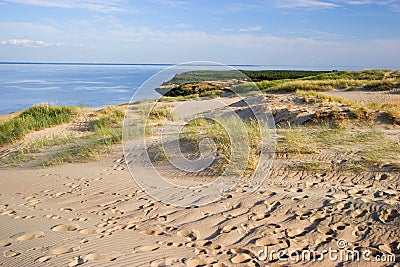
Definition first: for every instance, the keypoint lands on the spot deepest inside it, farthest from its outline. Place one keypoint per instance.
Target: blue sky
(277, 32)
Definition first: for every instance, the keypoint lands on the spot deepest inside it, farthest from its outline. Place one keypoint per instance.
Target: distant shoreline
(284, 66)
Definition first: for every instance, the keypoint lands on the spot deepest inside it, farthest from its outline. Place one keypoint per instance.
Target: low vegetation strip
(254, 75)
(33, 119)
(287, 80)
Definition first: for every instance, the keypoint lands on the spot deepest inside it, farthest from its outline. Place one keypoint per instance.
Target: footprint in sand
(340, 226)
(358, 213)
(388, 215)
(157, 263)
(5, 243)
(62, 250)
(10, 253)
(26, 237)
(188, 234)
(303, 214)
(355, 191)
(360, 230)
(343, 205)
(64, 228)
(43, 259)
(228, 228)
(317, 217)
(200, 251)
(76, 261)
(241, 258)
(385, 248)
(152, 232)
(295, 232)
(146, 248)
(194, 262)
(130, 226)
(83, 241)
(325, 230)
(267, 241)
(109, 257)
(88, 231)
(8, 212)
(258, 217)
(65, 209)
(340, 196)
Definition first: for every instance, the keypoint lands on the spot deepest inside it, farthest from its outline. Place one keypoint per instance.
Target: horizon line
(330, 67)
(118, 63)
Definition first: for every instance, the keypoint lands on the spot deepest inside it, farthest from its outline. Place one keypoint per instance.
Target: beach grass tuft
(35, 118)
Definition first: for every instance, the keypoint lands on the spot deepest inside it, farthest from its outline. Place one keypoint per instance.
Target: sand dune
(94, 214)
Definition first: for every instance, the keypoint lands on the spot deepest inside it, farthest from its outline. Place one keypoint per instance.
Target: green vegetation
(192, 83)
(203, 75)
(370, 149)
(273, 75)
(103, 130)
(44, 142)
(200, 89)
(33, 119)
(295, 141)
(200, 129)
(307, 85)
(254, 75)
(177, 98)
(320, 96)
(361, 111)
(378, 80)
(352, 75)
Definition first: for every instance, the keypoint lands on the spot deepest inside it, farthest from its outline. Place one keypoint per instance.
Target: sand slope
(93, 214)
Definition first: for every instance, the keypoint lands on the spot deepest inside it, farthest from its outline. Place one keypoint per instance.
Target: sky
(362, 33)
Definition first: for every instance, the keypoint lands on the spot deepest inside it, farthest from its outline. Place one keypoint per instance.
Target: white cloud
(334, 3)
(94, 5)
(31, 43)
(183, 25)
(251, 29)
(172, 2)
(307, 4)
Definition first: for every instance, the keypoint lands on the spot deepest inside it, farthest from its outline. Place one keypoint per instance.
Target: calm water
(23, 85)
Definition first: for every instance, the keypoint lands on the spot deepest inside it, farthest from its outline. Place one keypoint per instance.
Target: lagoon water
(23, 85)
(94, 85)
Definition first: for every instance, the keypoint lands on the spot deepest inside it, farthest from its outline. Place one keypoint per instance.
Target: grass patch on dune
(161, 113)
(370, 149)
(44, 142)
(373, 74)
(378, 80)
(296, 140)
(307, 85)
(35, 118)
(103, 131)
(216, 131)
(216, 137)
(361, 111)
(317, 95)
(391, 107)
